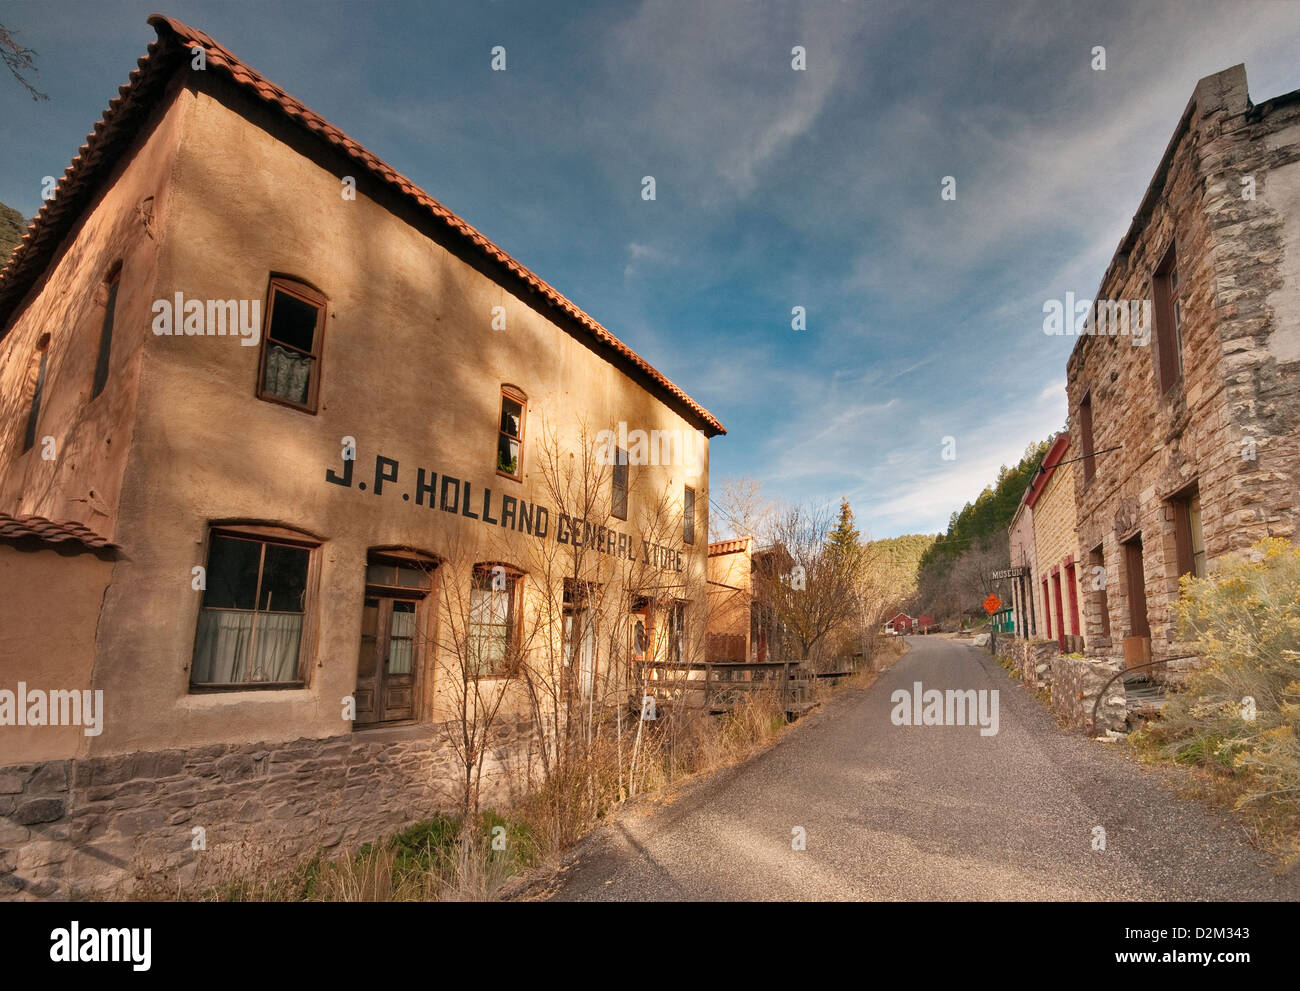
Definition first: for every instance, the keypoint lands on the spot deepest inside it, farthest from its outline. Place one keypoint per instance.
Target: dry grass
(440, 860)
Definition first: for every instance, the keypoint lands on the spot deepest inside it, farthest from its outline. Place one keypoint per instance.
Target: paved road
(925, 813)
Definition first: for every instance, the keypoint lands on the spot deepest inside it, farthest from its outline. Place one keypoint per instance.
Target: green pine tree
(845, 539)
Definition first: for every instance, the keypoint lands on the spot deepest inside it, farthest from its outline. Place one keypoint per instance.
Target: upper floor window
(1168, 322)
(618, 505)
(688, 516)
(1085, 437)
(107, 297)
(254, 604)
(510, 436)
(36, 375)
(291, 345)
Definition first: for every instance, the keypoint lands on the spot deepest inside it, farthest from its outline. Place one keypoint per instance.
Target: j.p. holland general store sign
(453, 495)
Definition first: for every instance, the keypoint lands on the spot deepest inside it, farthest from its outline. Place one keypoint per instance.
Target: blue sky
(775, 188)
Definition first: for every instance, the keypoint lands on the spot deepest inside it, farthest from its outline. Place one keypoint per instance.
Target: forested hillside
(954, 570)
(900, 558)
(12, 225)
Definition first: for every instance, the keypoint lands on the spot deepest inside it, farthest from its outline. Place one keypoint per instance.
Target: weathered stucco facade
(1194, 416)
(731, 597)
(423, 331)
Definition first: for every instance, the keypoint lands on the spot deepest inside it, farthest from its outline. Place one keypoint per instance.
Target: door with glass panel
(388, 661)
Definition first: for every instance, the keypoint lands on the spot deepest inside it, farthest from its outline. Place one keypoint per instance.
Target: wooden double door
(387, 664)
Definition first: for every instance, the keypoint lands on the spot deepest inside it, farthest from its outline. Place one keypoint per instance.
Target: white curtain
(489, 624)
(222, 655)
(286, 373)
(401, 643)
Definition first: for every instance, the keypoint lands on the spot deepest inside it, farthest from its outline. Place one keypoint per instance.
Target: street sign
(1009, 573)
(992, 604)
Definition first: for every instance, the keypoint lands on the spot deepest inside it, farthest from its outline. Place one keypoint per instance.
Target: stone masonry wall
(104, 826)
(1076, 683)
(1230, 426)
(1032, 659)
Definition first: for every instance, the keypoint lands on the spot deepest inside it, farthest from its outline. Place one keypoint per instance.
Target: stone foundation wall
(1032, 659)
(1076, 683)
(106, 826)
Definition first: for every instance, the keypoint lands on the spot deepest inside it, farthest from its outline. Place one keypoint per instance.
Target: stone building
(313, 436)
(1184, 384)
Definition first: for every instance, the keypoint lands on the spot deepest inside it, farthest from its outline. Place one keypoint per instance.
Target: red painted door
(1060, 615)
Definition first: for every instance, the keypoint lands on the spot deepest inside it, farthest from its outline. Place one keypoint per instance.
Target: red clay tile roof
(147, 82)
(729, 546)
(50, 531)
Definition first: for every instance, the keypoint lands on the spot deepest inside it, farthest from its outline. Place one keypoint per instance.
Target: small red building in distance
(902, 623)
(924, 624)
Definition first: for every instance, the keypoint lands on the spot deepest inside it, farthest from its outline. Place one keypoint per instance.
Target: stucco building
(1185, 418)
(317, 428)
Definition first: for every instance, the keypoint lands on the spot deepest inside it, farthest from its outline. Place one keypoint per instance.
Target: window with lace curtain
(291, 345)
(250, 630)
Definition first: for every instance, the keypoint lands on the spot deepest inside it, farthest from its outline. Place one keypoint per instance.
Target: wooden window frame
(514, 622)
(313, 297)
(108, 289)
(620, 462)
(1086, 442)
(1180, 505)
(266, 534)
(688, 515)
(514, 394)
(37, 368)
(1168, 356)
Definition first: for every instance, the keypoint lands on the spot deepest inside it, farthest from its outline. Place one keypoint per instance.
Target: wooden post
(708, 677)
(785, 687)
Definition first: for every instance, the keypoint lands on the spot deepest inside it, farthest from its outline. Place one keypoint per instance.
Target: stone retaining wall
(105, 826)
(1074, 682)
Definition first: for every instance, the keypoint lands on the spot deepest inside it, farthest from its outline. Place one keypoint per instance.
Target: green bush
(1245, 623)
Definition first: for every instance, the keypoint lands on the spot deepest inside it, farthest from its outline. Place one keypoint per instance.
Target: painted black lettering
(381, 475)
(421, 487)
(344, 479)
(464, 504)
(454, 484)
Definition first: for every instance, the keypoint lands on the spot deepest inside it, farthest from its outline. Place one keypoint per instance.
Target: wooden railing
(720, 689)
